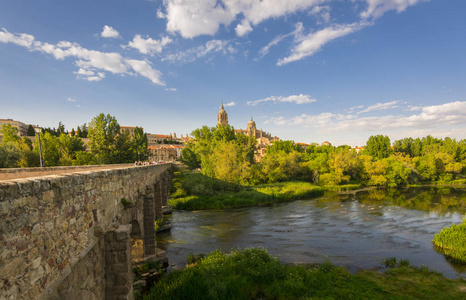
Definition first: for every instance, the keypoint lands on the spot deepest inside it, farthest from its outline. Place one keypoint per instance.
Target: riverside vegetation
(255, 274)
(452, 242)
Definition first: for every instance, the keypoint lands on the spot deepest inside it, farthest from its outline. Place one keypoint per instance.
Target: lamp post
(38, 130)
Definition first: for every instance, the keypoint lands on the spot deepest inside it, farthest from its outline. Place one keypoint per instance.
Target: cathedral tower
(222, 118)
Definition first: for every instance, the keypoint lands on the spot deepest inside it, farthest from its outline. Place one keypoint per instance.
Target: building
(263, 138)
(165, 152)
(129, 129)
(22, 127)
(326, 143)
(358, 149)
(304, 146)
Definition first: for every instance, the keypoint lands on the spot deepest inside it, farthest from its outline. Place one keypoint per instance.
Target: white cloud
(351, 109)
(296, 33)
(376, 8)
(170, 89)
(243, 28)
(70, 99)
(148, 45)
(192, 18)
(144, 69)
(298, 99)
(230, 104)
(321, 11)
(380, 106)
(313, 42)
(212, 46)
(109, 32)
(92, 64)
(429, 117)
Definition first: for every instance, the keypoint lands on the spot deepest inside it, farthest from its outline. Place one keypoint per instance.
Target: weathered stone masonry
(68, 236)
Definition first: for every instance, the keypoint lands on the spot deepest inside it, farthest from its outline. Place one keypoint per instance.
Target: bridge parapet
(54, 230)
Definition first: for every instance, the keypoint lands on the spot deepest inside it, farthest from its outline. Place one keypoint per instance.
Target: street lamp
(38, 131)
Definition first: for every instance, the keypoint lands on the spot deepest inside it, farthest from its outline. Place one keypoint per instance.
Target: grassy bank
(194, 191)
(254, 274)
(452, 242)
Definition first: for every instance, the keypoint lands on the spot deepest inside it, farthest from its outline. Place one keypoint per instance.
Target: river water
(354, 230)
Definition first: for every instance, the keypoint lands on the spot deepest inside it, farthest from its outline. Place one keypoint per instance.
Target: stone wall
(15, 173)
(52, 228)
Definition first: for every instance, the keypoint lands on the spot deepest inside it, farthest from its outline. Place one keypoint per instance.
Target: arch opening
(137, 243)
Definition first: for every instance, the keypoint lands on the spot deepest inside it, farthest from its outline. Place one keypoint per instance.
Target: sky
(304, 70)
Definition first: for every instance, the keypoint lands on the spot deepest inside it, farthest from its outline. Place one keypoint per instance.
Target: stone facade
(65, 236)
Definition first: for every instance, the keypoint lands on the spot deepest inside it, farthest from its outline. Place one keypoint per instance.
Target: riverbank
(194, 191)
(254, 274)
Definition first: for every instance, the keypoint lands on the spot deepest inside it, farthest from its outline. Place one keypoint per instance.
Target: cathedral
(263, 138)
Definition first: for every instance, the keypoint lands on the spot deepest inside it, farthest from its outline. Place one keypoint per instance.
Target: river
(354, 230)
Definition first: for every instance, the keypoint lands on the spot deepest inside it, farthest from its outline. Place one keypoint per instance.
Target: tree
(123, 149)
(9, 156)
(139, 144)
(103, 131)
(378, 146)
(60, 129)
(68, 146)
(189, 158)
(287, 146)
(31, 131)
(10, 135)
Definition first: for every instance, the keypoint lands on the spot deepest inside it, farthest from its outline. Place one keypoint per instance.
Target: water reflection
(356, 230)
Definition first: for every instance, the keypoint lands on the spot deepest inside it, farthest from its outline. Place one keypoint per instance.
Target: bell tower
(222, 118)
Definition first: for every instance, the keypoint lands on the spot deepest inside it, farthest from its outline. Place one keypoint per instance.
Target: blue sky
(305, 70)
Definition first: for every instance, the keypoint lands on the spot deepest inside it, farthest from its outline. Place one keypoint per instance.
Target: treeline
(106, 145)
(222, 154)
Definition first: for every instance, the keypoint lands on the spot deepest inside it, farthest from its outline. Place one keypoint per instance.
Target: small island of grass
(452, 242)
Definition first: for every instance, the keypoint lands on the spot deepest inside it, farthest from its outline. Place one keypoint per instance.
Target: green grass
(452, 242)
(245, 196)
(254, 274)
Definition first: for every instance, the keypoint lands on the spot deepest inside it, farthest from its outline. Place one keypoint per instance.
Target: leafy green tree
(69, 145)
(9, 156)
(60, 129)
(10, 135)
(84, 158)
(103, 131)
(78, 132)
(403, 146)
(31, 131)
(50, 145)
(189, 157)
(378, 146)
(286, 146)
(141, 152)
(123, 149)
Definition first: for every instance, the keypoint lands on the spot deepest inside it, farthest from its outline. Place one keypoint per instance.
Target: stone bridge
(68, 236)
